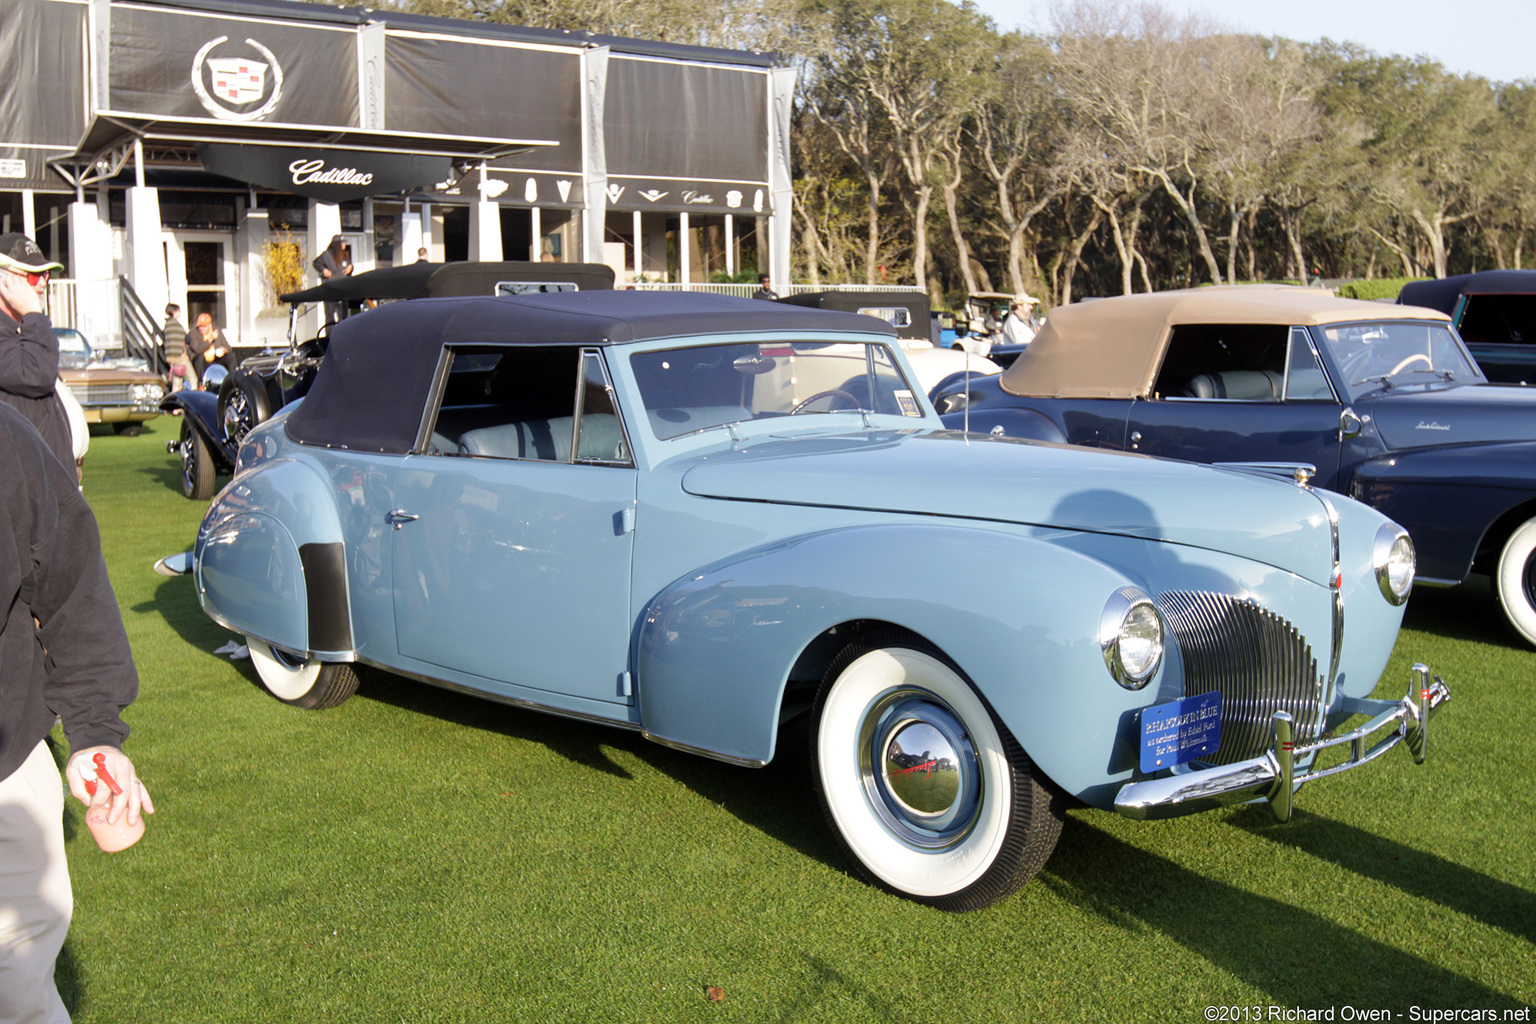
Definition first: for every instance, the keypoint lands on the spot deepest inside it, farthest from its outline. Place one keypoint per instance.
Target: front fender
(200, 411)
(716, 648)
(270, 560)
(1448, 498)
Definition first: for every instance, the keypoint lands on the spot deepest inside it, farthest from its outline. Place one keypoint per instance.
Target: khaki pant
(35, 899)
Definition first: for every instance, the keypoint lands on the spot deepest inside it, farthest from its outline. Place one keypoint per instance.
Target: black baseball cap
(19, 251)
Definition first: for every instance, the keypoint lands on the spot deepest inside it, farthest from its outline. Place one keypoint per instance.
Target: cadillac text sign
(329, 175)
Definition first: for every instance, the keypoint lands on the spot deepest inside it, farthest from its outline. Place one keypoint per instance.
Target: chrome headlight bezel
(1394, 562)
(1131, 635)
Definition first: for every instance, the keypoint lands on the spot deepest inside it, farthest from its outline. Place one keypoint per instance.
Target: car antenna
(967, 420)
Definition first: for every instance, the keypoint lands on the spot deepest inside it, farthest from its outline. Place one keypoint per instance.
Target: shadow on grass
(774, 799)
(1469, 612)
(175, 601)
(1434, 879)
(168, 475)
(1295, 956)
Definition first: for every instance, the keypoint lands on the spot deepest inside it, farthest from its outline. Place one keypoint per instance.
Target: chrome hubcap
(1529, 580)
(919, 769)
(186, 454)
(235, 416)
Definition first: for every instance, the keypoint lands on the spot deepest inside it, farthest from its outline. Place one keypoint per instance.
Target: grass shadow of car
(168, 475)
(771, 798)
(1295, 956)
(1416, 873)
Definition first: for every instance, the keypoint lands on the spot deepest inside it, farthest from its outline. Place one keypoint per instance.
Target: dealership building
(171, 150)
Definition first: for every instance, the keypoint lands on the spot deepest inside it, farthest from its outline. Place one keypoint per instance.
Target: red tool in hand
(108, 836)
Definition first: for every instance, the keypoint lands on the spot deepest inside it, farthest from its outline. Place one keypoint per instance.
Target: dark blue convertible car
(1381, 402)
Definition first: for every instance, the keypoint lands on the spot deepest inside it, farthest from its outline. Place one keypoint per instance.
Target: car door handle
(399, 516)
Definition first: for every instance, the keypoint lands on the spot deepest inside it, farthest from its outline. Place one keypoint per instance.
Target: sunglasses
(33, 279)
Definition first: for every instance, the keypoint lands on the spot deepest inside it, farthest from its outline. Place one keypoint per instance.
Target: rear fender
(278, 574)
(715, 650)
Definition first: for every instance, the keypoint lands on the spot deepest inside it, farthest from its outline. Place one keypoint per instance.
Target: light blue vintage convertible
(705, 518)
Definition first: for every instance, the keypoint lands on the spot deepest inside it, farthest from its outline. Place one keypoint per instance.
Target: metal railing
(142, 334)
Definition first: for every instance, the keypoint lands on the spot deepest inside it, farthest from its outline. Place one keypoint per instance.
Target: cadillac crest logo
(234, 83)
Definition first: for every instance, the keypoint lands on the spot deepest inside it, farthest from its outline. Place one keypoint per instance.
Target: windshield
(690, 389)
(74, 350)
(1395, 354)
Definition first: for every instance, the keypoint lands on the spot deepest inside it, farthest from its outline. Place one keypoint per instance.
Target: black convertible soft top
(919, 324)
(1444, 293)
(373, 387)
(420, 280)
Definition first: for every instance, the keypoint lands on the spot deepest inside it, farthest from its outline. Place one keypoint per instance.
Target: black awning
(328, 175)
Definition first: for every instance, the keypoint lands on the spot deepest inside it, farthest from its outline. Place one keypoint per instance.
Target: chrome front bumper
(1276, 774)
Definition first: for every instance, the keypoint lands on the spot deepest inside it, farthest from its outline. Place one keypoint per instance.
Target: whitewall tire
(304, 683)
(1515, 580)
(930, 794)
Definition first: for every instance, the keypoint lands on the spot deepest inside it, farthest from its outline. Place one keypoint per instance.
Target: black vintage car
(1378, 402)
(214, 420)
(1495, 313)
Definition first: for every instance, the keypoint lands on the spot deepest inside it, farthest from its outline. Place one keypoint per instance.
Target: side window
(1232, 362)
(1304, 379)
(599, 431)
(508, 402)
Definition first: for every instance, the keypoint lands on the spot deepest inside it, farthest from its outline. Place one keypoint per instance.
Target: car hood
(946, 473)
(1456, 415)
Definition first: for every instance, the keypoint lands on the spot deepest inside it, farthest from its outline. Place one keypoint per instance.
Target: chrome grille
(1259, 661)
(103, 394)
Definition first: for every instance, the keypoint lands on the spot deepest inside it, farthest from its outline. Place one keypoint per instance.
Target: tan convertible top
(1112, 348)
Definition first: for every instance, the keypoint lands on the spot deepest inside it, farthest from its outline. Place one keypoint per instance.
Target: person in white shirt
(1019, 328)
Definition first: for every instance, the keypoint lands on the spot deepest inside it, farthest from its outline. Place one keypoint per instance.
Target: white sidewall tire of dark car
(309, 683)
(1515, 582)
(994, 847)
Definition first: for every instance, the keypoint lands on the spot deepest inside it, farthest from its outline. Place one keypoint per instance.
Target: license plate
(1180, 731)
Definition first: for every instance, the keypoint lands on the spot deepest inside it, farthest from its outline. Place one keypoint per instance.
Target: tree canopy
(1128, 149)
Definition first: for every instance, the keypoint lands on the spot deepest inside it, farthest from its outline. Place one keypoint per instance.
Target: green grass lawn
(415, 855)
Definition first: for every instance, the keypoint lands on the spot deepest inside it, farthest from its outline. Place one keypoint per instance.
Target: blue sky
(1492, 38)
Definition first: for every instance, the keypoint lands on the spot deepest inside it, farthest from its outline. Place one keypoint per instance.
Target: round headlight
(1393, 560)
(1131, 636)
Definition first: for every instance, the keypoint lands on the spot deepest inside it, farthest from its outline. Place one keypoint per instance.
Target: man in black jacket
(63, 656)
(29, 353)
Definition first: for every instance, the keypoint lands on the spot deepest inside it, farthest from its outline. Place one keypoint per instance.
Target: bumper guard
(1276, 774)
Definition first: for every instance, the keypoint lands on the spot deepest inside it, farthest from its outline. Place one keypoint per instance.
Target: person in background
(334, 262)
(421, 255)
(1019, 327)
(63, 655)
(210, 347)
(29, 353)
(765, 288)
(175, 345)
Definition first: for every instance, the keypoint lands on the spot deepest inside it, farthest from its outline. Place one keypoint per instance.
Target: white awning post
(594, 153)
(485, 224)
(684, 249)
(781, 186)
(639, 249)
